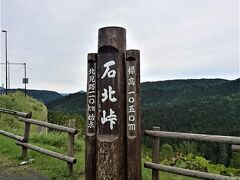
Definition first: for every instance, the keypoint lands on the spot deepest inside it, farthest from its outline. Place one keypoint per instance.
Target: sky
(178, 39)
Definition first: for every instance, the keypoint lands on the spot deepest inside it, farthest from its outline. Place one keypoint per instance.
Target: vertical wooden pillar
(111, 119)
(155, 154)
(91, 125)
(133, 115)
(70, 151)
(26, 136)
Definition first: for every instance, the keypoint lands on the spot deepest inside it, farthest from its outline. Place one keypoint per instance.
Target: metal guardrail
(156, 167)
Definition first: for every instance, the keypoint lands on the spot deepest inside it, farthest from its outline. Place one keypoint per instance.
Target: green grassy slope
(17, 101)
(10, 153)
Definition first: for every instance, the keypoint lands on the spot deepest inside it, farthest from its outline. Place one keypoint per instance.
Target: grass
(17, 101)
(147, 173)
(56, 169)
(51, 167)
(10, 152)
(45, 165)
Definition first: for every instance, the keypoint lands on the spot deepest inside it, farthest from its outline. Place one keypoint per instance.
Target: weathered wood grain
(26, 137)
(155, 154)
(91, 118)
(48, 152)
(111, 133)
(236, 148)
(49, 125)
(133, 115)
(12, 136)
(186, 172)
(70, 149)
(195, 137)
(15, 113)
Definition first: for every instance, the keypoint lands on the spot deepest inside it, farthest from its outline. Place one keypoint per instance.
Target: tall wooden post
(91, 125)
(26, 136)
(70, 150)
(155, 154)
(133, 115)
(111, 119)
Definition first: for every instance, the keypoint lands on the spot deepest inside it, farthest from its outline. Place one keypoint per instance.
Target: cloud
(177, 38)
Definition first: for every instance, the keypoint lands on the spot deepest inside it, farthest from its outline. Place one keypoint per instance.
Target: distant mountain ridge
(170, 92)
(45, 96)
(73, 103)
(185, 90)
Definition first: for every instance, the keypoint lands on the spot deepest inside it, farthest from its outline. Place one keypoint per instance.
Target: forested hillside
(213, 115)
(199, 106)
(203, 106)
(44, 96)
(209, 106)
(73, 103)
(179, 91)
(169, 92)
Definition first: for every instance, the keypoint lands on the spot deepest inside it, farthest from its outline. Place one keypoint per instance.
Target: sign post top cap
(132, 54)
(112, 36)
(92, 57)
(112, 27)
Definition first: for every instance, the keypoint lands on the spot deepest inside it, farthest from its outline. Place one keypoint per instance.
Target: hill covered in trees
(194, 105)
(171, 92)
(73, 103)
(179, 91)
(209, 106)
(44, 96)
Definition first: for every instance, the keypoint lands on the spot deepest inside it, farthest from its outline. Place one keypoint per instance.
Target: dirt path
(26, 175)
(11, 171)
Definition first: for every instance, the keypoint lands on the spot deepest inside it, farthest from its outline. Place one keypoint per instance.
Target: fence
(23, 141)
(156, 167)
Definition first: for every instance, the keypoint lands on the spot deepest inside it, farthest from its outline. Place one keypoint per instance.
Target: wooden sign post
(113, 138)
(111, 146)
(133, 114)
(91, 124)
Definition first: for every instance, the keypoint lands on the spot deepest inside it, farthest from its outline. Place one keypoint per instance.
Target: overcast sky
(178, 39)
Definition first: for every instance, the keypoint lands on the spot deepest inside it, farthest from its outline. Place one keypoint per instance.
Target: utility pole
(9, 78)
(25, 79)
(6, 55)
